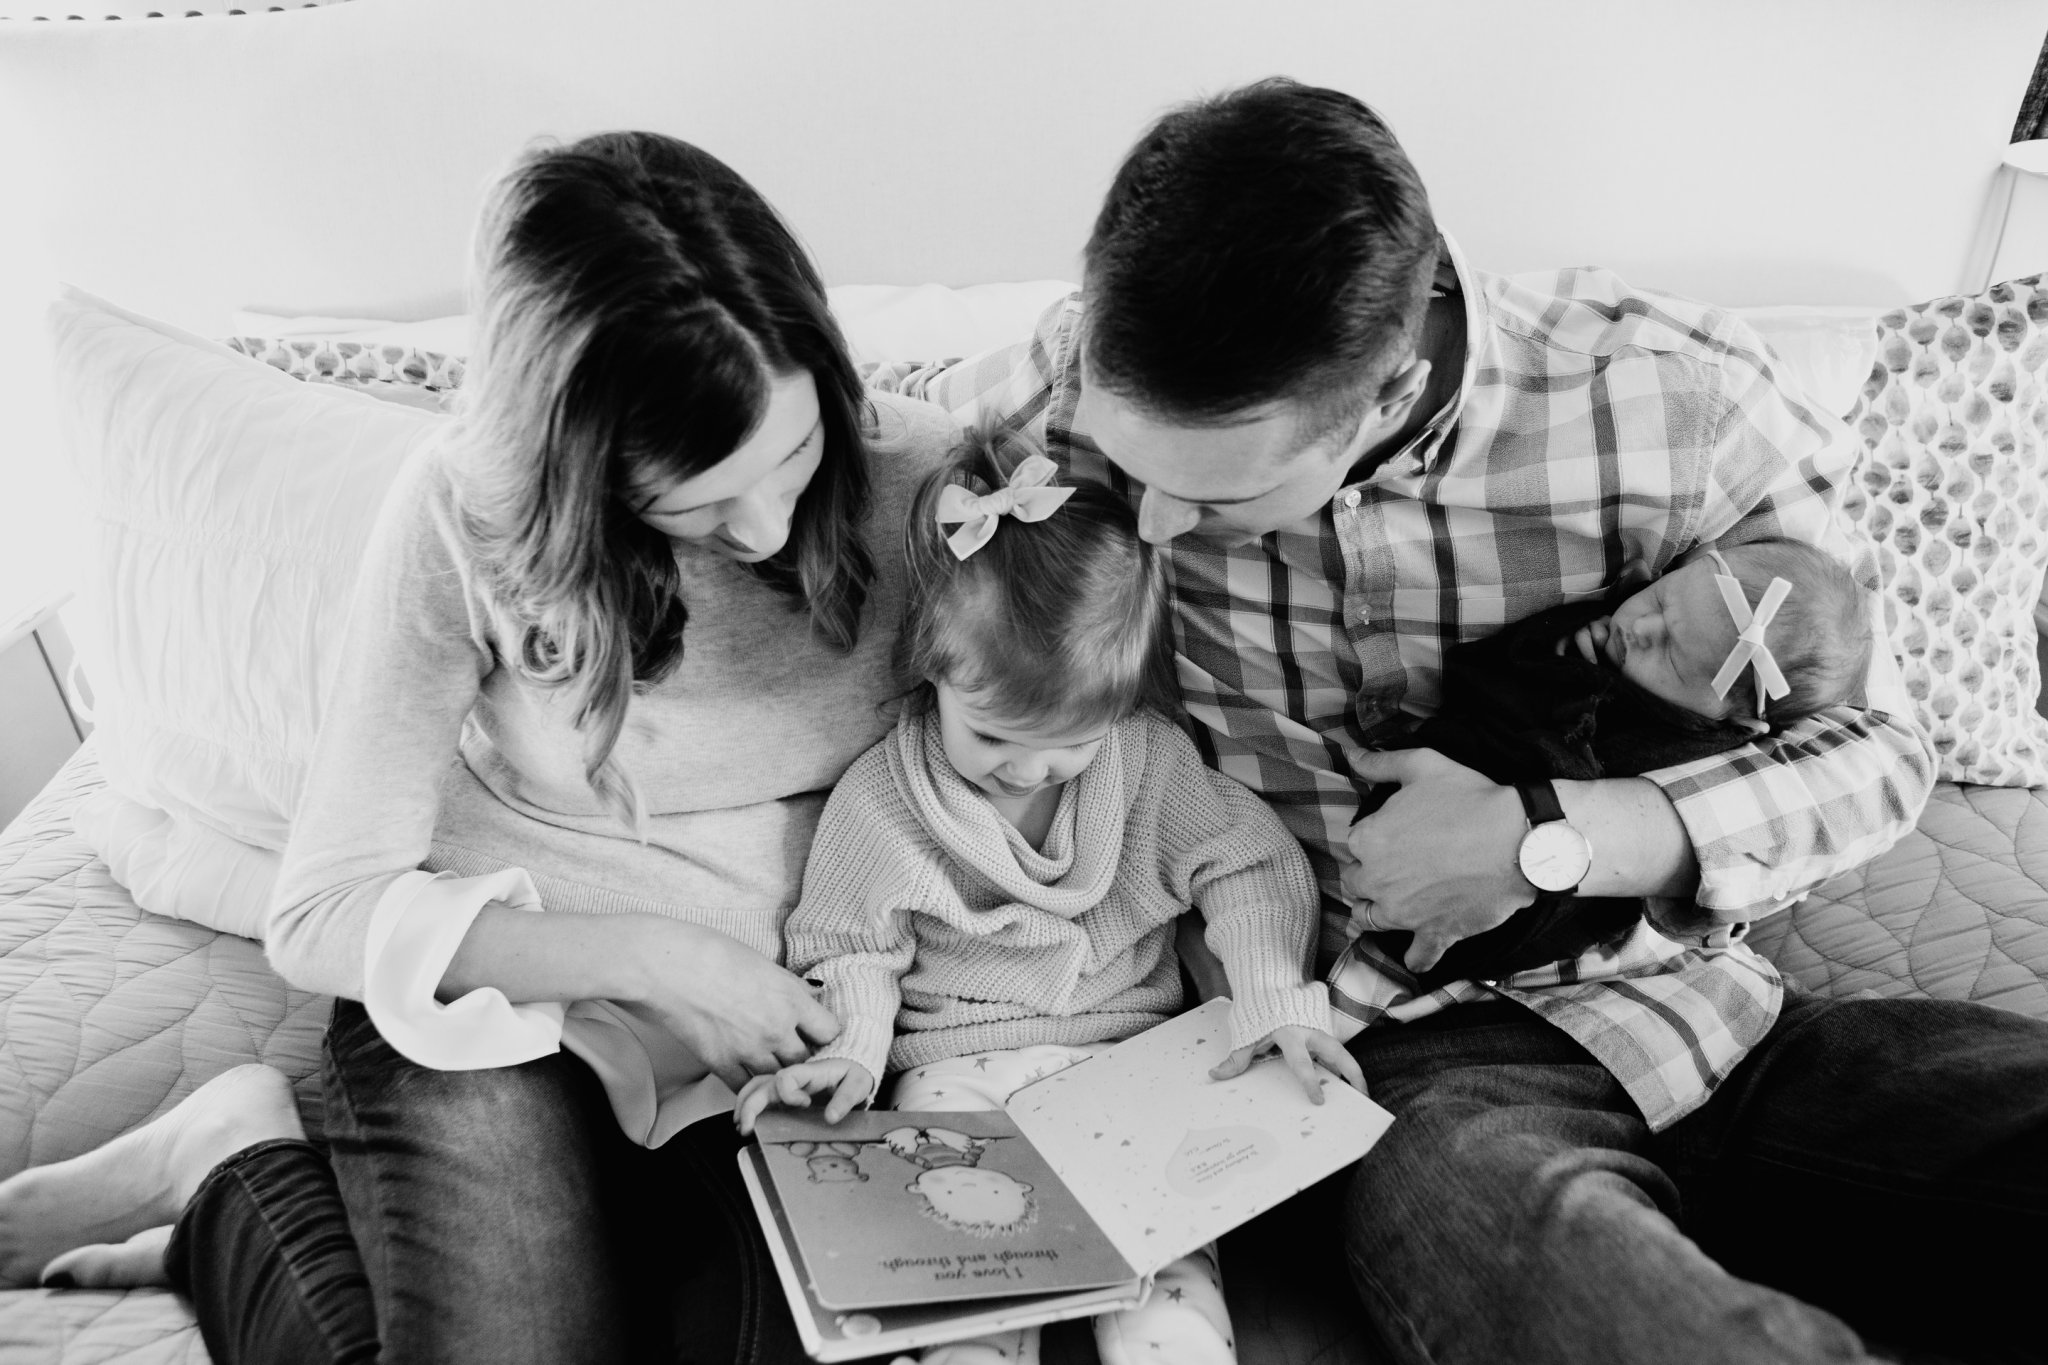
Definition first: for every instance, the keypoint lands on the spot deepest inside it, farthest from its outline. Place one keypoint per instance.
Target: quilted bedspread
(109, 1016)
(1958, 909)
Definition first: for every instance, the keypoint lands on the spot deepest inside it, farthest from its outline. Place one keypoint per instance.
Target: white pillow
(1829, 352)
(932, 322)
(448, 335)
(229, 505)
(175, 866)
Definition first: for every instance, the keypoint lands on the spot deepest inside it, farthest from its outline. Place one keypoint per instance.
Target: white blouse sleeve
(413, 934)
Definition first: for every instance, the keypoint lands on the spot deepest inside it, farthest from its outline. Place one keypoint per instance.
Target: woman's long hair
(634, 299)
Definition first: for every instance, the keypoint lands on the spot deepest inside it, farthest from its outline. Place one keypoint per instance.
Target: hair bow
(1750, 651)
(1025, 497)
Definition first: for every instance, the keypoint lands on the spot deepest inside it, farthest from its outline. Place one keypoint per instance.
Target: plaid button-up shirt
(1593, 424)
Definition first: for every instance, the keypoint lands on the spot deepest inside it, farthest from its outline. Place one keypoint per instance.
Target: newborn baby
(1728, 646)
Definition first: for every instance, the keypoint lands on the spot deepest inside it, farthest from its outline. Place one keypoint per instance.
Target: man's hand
(1301, 1048)
(1439, 857)
(792, 1087)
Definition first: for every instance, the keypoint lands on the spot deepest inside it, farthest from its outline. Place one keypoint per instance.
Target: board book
(891, 1231)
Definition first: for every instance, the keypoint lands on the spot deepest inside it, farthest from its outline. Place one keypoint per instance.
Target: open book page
(1167, 1160)
(895, 1208)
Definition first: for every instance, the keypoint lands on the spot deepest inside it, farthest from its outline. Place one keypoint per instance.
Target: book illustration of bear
(831, 1163)
(931, 1148)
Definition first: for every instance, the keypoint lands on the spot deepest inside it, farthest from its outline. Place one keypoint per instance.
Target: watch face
(1554, 856)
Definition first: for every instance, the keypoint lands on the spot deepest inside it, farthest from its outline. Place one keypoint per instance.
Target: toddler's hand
(1589, 639)
(793, 1086)
(1301, 1048)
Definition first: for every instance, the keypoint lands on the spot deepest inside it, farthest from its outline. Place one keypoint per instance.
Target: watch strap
(1539, 802)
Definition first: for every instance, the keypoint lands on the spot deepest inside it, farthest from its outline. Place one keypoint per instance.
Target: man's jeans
(1876, 1167)
(477, 1216)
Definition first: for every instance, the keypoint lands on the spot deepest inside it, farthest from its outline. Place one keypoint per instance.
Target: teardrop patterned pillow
(363, 364)
(1953, 489)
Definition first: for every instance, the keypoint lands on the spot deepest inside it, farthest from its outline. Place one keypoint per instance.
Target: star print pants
(1182, 1321)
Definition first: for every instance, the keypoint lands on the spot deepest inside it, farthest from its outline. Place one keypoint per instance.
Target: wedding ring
(1365, 909)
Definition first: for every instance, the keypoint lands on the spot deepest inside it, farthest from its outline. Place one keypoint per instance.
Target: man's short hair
(1271, 243)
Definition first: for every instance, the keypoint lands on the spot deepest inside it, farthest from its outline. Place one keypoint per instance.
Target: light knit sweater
(939, 931)
(435, 754)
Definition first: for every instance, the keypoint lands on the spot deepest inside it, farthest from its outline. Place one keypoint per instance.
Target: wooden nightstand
(38, 727)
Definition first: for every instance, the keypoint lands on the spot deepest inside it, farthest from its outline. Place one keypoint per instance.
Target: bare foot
(142, 1179)
(137, 1261)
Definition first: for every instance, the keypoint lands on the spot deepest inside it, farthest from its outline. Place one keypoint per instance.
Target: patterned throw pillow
(385, 368)
(1953, 489)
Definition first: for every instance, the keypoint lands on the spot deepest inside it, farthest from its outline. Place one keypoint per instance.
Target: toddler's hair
(1056, 623)
(1821, 636)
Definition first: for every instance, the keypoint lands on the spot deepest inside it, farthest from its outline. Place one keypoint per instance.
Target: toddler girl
(1730, 645)
(992, 891)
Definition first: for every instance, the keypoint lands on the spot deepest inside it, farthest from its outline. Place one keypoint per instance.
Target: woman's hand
(792, 1088)
(1301, 1048)
(740, 1013)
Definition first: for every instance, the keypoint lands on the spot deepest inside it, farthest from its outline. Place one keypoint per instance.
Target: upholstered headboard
(330, 160)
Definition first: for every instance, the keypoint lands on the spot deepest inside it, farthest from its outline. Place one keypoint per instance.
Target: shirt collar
(1453, 279)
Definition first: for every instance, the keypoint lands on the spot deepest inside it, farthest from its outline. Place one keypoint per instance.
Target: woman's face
(741, 506)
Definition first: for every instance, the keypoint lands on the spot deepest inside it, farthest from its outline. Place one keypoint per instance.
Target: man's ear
(1403, 389)
(1756, 726)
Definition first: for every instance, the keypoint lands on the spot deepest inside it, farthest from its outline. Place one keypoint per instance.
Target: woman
(617, 630)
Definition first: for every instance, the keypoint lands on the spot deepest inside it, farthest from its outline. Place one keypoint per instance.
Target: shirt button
(1351, 498)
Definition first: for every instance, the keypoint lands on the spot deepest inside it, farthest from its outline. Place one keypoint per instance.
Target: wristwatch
(1553, 856)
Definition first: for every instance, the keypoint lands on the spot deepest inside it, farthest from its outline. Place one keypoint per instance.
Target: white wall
(2023, 246)
(35, 507)
(1755, 150)
(330, 160)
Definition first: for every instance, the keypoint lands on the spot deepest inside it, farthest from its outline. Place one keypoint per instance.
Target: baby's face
(1671, 638)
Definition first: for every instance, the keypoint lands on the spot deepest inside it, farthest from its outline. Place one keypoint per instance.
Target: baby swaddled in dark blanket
(1514, 709)
(1516, 706)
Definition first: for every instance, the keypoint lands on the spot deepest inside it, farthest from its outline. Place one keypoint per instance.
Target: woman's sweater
(435, 754)
(934, 923)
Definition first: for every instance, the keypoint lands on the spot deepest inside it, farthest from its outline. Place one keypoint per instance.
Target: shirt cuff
(1254, 1016)
(414, 932)
(865, 1041)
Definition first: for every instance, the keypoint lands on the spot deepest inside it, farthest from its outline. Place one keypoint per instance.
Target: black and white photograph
(1403, 642)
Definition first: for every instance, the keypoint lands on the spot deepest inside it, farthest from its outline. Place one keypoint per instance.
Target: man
(1360, 451)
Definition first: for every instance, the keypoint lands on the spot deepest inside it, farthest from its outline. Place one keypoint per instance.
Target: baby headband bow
(1750, 651)
(1025, 497)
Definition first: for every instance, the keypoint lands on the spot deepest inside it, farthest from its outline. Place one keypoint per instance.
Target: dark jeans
(1876, 1167)
(492, 1216)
